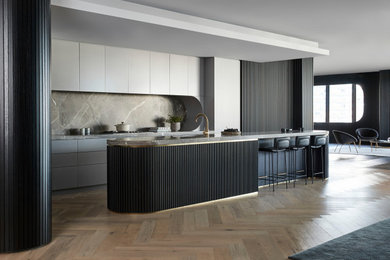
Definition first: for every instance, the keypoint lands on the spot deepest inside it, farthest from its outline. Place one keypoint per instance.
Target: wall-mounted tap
(206, 128)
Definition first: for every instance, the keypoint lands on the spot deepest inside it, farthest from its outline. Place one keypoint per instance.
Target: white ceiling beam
(151, 15)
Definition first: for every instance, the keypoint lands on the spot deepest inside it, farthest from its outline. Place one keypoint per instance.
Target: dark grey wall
(370, 85)
(208, 72)
(276, 95)
(25, 194)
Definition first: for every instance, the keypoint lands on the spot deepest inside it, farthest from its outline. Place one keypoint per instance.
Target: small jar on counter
(85, 131)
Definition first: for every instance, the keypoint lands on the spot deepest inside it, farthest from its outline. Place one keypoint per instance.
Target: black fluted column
(25, 200)
(303, 80)
(384, 104)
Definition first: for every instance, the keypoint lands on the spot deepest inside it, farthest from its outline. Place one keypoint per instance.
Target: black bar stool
(317, 142)
(300, 144)
(280, 145)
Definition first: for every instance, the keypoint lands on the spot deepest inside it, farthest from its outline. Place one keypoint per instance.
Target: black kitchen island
(156, 173)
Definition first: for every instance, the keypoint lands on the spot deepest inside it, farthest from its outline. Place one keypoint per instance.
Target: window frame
(327, 103)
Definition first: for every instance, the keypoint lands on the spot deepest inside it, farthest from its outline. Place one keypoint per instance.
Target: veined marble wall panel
(102, 111)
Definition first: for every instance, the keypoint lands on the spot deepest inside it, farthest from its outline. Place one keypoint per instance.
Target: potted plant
(175, 122)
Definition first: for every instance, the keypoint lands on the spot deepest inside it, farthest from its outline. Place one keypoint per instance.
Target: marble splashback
(102, 111)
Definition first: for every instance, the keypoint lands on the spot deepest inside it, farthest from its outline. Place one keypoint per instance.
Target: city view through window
(339, 103)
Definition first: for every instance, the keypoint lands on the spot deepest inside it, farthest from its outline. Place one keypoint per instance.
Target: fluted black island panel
(152, 178)
(147, 174)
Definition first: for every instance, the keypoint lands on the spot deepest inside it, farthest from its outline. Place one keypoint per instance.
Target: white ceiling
(357, 32)
(125, 24)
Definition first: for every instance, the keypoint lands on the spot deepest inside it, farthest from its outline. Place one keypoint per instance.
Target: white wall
(226, 94)
(222, 93)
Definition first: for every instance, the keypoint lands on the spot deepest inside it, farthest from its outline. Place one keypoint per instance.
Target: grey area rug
(363, 150)
(372, 242)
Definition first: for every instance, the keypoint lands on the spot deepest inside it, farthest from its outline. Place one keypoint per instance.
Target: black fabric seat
(343, 138)
(280, 145)
(300, 143)
(367, 135)
(317, 142)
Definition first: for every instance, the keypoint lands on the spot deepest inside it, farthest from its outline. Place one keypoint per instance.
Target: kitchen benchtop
(124, 135)
(189, 138)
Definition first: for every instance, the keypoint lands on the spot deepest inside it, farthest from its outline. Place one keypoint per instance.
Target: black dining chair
(343, 138)
(367, 135)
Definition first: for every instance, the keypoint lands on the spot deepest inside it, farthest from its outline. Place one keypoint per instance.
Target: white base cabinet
(78, 163)
(64, 178)
(88, 175)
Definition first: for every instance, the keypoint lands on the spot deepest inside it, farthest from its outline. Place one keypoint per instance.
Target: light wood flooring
(268, 225)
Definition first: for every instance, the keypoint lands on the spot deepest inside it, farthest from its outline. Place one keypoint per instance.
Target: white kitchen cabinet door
(88, 175)
(178, 71)
(139, 71)
(65, 65)
(159, 73)
(117, 70)
(195, 86)
(64, 178)
(92, 67)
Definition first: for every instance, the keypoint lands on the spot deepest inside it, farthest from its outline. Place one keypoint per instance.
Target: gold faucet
(206, 128)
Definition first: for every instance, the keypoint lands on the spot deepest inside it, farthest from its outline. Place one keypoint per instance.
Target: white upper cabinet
(65, 65)
(195, 75)
(97, 68)
(139, 71)
(92, 67)
(159, 73)
(117, 70)
(178, 75)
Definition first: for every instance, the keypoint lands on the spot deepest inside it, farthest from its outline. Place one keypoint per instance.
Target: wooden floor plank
(271, 225)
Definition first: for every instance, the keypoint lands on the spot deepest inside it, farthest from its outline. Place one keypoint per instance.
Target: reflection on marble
(196, 138)
(102, 111)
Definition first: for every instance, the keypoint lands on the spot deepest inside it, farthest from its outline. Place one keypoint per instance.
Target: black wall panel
(276, 95)
(266, 96)
(384, 104)
(25, 198)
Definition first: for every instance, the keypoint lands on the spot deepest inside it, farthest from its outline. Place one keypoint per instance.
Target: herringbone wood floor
(268, 225)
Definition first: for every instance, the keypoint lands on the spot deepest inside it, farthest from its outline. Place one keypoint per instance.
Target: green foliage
(174, 119)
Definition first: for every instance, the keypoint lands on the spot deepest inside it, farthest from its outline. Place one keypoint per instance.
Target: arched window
(359, 102)
(338, 103)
